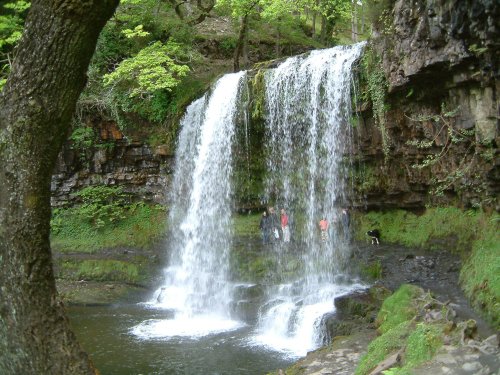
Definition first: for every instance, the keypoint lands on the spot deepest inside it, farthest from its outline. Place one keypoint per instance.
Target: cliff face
(441, 124)
(142, 171)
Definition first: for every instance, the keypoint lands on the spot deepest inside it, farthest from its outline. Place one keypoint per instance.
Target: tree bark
(354, 21)
(240, 42)
(36, 105)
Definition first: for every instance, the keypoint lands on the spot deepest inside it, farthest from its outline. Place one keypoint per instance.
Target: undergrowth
(480, 275)
(439, 227)
(401, 327)
(246, 225)
(140, 227)
(398, 308)
(99, 270)
(383, 346)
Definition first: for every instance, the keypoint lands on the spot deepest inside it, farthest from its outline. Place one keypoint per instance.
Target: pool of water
(105, 333)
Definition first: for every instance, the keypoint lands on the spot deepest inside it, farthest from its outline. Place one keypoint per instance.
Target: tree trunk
(277, 46)
(324, 33)
(244, 51)
(315, 12)
(36, 106)
(313, 23)
(362, 18)
(354, 21)
(240, 42)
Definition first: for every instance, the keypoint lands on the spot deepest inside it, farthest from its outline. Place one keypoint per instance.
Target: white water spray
(308, 103)
(196, 287)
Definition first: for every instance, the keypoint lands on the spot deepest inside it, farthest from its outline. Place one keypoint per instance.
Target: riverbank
(426, 327)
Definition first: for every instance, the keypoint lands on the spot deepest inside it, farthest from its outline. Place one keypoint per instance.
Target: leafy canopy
(154, 68)
(11, 28)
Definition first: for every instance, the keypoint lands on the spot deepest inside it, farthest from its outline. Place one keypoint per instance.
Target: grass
(246, 225)
(480, 275)
(398, 308)
(140, 228)
(372, 270)
(383, 346)
(99, 270)
(397, 324)
(422, 344)
(439, 227)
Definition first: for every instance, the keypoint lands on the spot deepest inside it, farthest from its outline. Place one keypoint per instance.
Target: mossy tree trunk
(36, 106)
(240, 43)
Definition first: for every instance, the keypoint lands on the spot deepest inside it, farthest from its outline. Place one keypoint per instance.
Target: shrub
(102, 204)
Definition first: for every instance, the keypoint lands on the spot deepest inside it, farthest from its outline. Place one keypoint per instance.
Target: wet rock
(356, 304)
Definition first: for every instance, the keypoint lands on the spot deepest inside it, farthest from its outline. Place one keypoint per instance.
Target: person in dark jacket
(275, 225)
(265, 227)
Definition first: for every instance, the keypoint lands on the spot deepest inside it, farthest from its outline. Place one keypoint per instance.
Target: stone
(471, 367)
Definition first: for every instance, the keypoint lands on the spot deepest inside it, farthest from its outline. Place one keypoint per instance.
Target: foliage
(445, 139)
(383, 346)
(246, 225)
(102, 205)
(364, 178)
(422, 344)
(378, 11)
(154, 68)
(438, 227)
(142, 226)
(373, 76)
(82, 137)
(259, 95)
(480, 274)
(142, 55)
(398, 308)
(400, 330)
(99, 270)
(11, 27)
(372, 270)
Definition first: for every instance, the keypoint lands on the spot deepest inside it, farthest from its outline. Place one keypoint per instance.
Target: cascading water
(308, 104)
(196, 285)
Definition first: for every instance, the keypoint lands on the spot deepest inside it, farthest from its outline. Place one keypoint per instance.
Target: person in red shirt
(323, 226)
(285, 229)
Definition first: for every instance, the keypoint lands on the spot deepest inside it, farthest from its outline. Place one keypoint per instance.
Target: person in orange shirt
(323, 226)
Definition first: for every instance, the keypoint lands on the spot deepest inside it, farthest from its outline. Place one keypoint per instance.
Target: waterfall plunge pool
(121, 338)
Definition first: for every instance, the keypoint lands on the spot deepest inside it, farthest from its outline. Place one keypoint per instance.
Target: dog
(375, 236)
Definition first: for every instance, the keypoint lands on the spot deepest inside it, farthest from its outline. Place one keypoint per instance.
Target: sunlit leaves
(11, 24)
(138, 31)
(156, 67)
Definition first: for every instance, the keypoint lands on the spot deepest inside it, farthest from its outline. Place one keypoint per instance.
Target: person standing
(285, 228)
(274, 224)
(346, 222)
(323, 226)
(265, 227)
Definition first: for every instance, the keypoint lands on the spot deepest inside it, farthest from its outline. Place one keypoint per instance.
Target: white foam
(191, 327)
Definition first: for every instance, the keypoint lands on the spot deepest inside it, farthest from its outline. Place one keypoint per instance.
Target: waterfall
(308, 107)
(196, 286)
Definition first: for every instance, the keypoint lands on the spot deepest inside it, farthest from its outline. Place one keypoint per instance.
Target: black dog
(374, 235)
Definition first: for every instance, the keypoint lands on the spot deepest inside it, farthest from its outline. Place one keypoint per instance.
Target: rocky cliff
(114, 160)
(437, 138)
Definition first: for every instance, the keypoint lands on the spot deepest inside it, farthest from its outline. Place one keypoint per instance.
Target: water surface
(105, 333)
